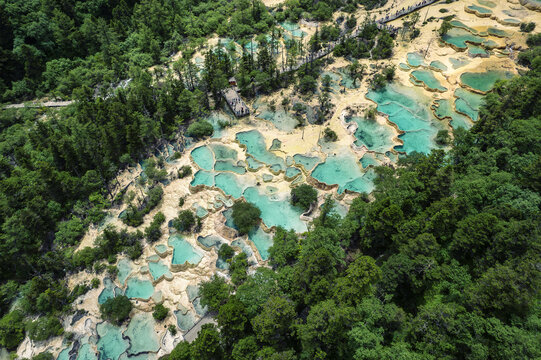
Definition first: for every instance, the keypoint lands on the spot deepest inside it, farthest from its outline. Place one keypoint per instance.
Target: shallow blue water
(139, 288)
(373, 135)
(255, 146)
(183, 251)
(143, 337)
(111, 343)
(410, 111)
(276, 213)
(203, 157)
(230, 184)
(262, 241)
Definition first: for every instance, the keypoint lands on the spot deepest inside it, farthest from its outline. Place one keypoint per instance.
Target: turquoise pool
(203, 157)
(159, 269)
(415, 59)
(229, 165)
(109, 291)
(307, 162)
(143, 337)
(255, 146)
(468, 103)
(460, 38)
(459, 62)
(230, 184)
(262, 241)
(281, 119)
(372, 135)
(428, 79)
(185, 321)
(343, 170)
(223, 152)
(139, 288)
(438, 65)
(292, 172)
(111, 343)
(369, 159)
(276, 213)
(443, 109)
(183, 251)
(125, 268)
(479, 9)
(410, 111)
(203, 177)
(484, 81)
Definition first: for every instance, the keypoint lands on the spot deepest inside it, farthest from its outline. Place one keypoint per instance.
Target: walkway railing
(235, 102)
(39, 105)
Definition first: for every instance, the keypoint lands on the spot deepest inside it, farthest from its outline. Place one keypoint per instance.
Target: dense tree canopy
(442, 264)
(59, 46)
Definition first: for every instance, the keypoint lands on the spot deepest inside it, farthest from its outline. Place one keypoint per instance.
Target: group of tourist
(238, 107)
(404, 11)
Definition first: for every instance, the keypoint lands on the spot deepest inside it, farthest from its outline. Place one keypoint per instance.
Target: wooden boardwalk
(191, 334)
(381, 24)
(235, 102)
(39, 105)
(406, 11)
(232, 97)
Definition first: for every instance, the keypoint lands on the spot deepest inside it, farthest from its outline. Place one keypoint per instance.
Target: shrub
(245, 216)
(85, 257)
(370, 113)
(99, 267)
(214, 293)
(153, 170)
(43, 356)
(69, 232)
(112, 270)
(78, 290)
(226, 252)
(307, 84)
(44, 327)
(237, 268)
(378, 82)
(172, 329)
(12, 330)
(389, 72)
(160, 312)
(445, 27)
(153, 231)
(299, 108)
(534, 40)
(329, 135)
(184, 171)
(185, 220)
(134, 251)
(200, 129)
(527, 27)
(134, 216)
(223, 124)
(95, 283)
(303, 196)
(116, 309)
(442, 137)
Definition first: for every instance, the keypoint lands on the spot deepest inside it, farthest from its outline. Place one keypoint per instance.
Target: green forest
(443, 264)
(441, 261)
(54, 47)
